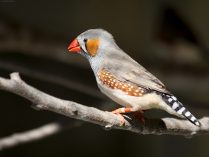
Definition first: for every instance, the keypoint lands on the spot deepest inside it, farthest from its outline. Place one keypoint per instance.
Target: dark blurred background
(170, 38)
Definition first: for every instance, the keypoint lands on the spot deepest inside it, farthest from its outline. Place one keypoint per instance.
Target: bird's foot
(119, 112)
(139, 115)
(122, 119)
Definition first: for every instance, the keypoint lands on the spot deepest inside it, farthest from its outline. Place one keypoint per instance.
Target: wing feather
(126, 69)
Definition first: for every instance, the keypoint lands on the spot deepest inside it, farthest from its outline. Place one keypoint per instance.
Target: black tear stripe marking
(177, 106)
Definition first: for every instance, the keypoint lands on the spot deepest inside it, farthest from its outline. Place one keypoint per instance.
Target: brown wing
(126, 69)
(111, 81)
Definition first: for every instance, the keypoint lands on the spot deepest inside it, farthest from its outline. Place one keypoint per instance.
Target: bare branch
(43, 76)
(35, 134)
(75, 110)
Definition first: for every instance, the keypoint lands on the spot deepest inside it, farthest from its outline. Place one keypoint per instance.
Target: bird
(124, 80)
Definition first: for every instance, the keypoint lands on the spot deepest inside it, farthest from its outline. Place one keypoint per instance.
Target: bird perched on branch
(123, 79)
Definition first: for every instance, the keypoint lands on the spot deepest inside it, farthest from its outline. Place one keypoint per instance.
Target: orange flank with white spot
(109, 80)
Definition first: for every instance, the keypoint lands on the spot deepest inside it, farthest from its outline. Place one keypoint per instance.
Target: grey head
(94, 44)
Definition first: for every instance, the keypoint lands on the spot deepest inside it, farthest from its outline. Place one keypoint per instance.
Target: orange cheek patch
(92, 46)
(108, 79)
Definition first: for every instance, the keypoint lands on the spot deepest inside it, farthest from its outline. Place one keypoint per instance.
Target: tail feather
(180, 109)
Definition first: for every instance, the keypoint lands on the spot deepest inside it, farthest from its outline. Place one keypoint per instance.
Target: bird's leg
(122, 110)
(137, 113)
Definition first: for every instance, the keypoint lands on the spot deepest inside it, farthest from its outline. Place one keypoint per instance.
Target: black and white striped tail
(179, 108)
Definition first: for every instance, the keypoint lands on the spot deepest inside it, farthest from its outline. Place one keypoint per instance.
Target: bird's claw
(122, 119)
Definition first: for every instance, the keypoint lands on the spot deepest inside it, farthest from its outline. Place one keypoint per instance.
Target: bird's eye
(85, 40)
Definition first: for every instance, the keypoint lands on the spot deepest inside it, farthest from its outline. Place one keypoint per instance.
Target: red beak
(74, 46)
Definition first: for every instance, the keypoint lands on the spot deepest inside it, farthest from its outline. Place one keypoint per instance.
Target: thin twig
(109, 120)
(35, 134)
